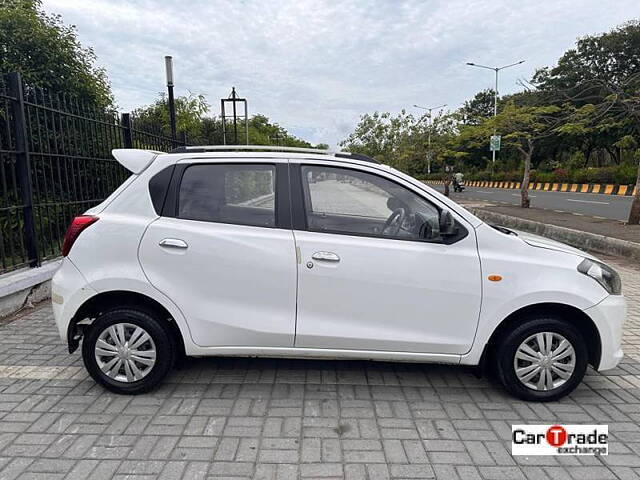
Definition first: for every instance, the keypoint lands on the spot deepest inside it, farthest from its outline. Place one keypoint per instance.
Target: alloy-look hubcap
(125, 352)
(544, 361)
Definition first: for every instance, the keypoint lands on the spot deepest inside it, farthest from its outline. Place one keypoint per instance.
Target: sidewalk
(269, 419)
(605, 227)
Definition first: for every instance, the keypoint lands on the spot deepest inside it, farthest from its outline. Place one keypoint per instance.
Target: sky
(315, 66)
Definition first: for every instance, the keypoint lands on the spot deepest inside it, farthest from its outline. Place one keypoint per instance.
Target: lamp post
(429, 109)
(495, 95)
(168, 64)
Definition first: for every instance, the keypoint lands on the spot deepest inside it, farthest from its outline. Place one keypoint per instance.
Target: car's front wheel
(128, 351)
(542, 359)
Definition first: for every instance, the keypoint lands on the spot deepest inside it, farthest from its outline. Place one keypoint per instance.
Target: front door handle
(173, 243)
(326, 257)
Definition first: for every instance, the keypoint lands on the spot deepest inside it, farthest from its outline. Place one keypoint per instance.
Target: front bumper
(609, 316)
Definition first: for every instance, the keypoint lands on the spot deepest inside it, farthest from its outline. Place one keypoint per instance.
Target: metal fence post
(23, 166)
(126, 130)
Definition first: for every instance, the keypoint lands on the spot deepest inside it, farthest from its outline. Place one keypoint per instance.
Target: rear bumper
(69, 290)
(609, 316)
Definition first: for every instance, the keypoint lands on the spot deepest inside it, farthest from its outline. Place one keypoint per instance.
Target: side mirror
(447, 224)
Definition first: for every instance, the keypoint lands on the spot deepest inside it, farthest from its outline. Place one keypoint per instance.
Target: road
(595, 205)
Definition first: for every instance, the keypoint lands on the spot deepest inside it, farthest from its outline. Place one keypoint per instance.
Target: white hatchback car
(303, 253)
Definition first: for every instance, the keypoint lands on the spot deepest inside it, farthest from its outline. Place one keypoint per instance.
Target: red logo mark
(556, 436)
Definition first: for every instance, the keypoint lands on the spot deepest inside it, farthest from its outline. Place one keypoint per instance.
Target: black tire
(164, 345)
(508, 345)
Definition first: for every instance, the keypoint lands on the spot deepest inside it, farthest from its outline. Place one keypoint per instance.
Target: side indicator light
(494, 278)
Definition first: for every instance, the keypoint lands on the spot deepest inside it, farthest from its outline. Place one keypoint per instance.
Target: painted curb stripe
(607, 189)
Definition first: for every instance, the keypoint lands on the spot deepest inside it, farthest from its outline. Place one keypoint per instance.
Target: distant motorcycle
(458, 186)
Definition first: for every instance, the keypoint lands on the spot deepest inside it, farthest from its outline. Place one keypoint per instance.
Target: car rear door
(364, 286)
(223, 251)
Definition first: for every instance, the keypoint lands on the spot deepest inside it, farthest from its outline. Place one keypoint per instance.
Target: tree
(614, 55)
(521, 128)
(479, 108)
(597, 67)
(190, 111)
(48, 53)
(617, 107)
(263, 132)
(383, 137)
(623, 103)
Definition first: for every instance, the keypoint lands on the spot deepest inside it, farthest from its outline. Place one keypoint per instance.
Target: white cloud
(314, 66)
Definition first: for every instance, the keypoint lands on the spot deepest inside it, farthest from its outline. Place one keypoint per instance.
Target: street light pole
(429, 109)
(168, 64)
(495, 96)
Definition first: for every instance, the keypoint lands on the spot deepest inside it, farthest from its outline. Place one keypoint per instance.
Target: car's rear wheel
(128, 351)
(542, 359)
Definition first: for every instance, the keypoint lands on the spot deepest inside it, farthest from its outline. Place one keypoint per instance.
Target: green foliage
(190, 111)
(627, 143)
(48, 54)
(263, 132)
(479, 108)
(614, 55)
(622, 174)
(200, 129)
(402, 140)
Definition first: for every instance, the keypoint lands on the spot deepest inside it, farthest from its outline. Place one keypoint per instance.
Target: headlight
(603, 274)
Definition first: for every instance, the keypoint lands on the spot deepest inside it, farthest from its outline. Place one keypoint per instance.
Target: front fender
(491, 318)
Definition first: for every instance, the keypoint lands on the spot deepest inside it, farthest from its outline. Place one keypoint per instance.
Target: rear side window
(239, 194)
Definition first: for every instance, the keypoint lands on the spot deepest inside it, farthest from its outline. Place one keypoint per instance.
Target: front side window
(240, 194)
(340, 200)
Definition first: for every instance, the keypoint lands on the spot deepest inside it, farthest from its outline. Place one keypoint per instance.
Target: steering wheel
(394, 222)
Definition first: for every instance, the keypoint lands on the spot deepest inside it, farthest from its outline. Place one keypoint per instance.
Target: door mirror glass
(447, 224)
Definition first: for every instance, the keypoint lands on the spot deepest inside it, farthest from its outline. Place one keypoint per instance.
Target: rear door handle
(173, 243)
(325, 257)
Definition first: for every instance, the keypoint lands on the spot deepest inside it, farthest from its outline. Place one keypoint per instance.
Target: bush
(561, 175)
(625, 174)
(580, 175)
(622, 174)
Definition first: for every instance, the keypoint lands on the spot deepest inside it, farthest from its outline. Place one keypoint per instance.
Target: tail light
(75, 229)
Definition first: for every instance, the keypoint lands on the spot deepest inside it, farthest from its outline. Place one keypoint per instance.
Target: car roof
(136, 160)
(278, 150)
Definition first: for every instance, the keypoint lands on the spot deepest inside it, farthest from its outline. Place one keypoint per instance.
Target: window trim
(282, 203)
(299, 207)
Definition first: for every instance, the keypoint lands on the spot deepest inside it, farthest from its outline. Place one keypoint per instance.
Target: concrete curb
(576, 238)
(24, 287)
(603, 189)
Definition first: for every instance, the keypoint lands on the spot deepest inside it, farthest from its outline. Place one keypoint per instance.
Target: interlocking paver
(279, 419)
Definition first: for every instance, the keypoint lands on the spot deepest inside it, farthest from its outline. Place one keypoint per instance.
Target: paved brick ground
(267, 419)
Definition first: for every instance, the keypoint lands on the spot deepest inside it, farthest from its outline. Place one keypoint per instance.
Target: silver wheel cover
(544, 361)
(125, 352)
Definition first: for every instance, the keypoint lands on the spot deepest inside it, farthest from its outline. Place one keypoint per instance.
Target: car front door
(375, 272)
(223, 251)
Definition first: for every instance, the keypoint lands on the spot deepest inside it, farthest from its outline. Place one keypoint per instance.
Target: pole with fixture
(234, 99)
(168, 64)
(429, 153)
(495, 99)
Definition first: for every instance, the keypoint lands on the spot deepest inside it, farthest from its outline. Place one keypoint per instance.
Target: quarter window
(341, 200)
(239, 194)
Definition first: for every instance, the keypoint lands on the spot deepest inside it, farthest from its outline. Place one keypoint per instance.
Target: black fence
(55, 162)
